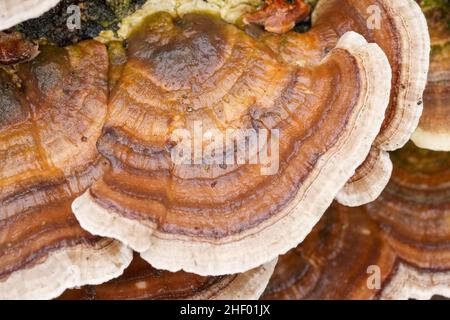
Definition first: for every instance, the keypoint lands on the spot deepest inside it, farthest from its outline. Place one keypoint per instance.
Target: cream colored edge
(67, 268)
(276, 236)
(369, 187)
(410, 283)
(437, 141)
(13, 12)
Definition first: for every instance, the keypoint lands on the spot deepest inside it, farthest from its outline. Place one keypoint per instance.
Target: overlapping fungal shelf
(400, 29)
(404, 235)
(52, 111)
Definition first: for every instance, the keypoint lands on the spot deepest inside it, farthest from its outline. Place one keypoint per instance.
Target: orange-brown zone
(141, 281)
(14, 49)
(201, 68)
(48, 119)
(279, 16)
(409, 223)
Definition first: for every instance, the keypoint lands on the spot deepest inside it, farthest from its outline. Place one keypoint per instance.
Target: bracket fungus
(434, 127)
(52, 110)
(393, 248)
(223, 145)
(141, 281)
(185, 203)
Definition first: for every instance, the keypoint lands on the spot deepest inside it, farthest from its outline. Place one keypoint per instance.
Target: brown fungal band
(141, 281)
(401, 239)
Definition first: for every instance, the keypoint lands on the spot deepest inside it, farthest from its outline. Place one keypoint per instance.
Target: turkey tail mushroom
(434, 127)
(214, 218)
(51, 115)
(393, 248)
(143, 282)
